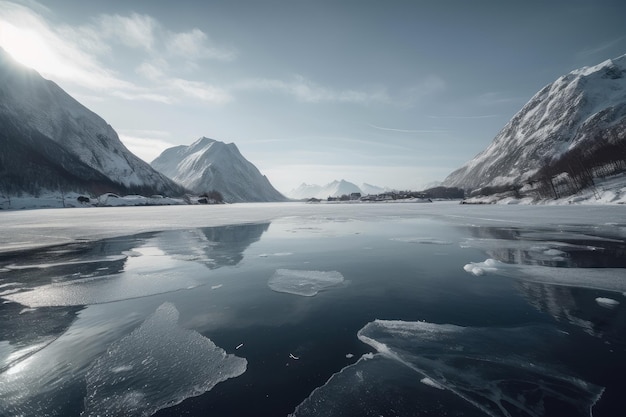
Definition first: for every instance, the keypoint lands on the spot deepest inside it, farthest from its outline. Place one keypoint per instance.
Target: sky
(390, 93)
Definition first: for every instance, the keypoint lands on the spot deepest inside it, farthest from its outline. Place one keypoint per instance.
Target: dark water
(213, 322)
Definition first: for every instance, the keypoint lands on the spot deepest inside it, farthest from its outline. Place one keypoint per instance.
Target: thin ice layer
(304, 283)
(154, 272)
(608, 279)
(500, 371)
(156, 366)
(378, 386)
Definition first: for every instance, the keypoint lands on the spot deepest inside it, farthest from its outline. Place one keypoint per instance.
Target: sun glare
(31, 49)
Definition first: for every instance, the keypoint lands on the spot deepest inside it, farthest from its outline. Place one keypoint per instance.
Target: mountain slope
(50, 141)
(208, 165)
(579, 113)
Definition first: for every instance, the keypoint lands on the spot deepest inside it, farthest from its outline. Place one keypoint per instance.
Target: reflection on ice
(578, 306)
(158, 365)
(304, 283)
(126, 268)
(500, 371)
(608, 279)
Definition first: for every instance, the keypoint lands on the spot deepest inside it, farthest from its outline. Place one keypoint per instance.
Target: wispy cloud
(481, 116)
(495, 97)
(390, 129)
(145, 147)
(586, 53)
(201, 90)
(308, 91)
(196, 44)
(135, 31)
(142, 96)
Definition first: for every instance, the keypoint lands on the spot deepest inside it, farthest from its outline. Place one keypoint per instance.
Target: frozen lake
(314, 310)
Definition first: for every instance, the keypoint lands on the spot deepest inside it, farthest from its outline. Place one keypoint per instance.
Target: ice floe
(378, 386)
(302, 282)
(156, 366)
(501, 371)
(608, 279)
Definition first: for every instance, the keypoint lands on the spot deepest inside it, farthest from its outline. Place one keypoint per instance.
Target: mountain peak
(208, 165)
(580, 110)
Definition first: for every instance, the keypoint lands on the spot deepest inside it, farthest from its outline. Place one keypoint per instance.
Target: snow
(304, 283)
(610, 190)
(208, 165)
(168, 362)
(607, 302)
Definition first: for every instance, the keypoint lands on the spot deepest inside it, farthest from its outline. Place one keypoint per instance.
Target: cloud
(135, 31)
(406, 130)
(146, 148)
(140, 96)
(201, 91)
(482, 116)
(73, 55)
(495, 98)
(195, 44)
(34, 42)
(309, 92)
(586, 53)
(151, 71)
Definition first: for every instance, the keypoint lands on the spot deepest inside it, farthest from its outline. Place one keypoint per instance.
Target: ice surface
(424, 240)
(36, 228)
(304, 283)
(501, 371)
(431, 383)
(156, 366)
(607, 302)
(608, 279)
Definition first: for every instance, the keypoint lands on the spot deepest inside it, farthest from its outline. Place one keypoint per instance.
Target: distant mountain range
(208, 165)
(333, 189)
(49, 141)
(571, 131)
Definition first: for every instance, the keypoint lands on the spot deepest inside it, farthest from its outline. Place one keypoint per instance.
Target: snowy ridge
(208, 164)
(38, 111)
(572, 112)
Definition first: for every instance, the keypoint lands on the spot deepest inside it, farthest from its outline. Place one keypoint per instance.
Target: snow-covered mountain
(332, 189)
(305, 191)
(369, 189)
(579, 113)
(208, 165)
(49, 141)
